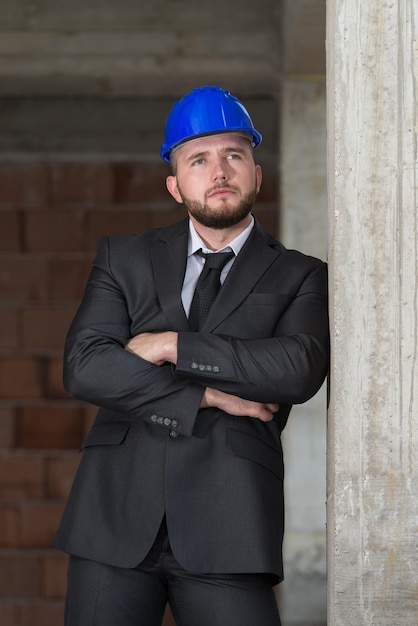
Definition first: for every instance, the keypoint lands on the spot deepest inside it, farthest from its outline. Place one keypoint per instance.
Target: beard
(222, 217)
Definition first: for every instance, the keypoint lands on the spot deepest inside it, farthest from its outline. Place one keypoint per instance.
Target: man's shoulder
(146, 238)
(288, 254)
(303, 259)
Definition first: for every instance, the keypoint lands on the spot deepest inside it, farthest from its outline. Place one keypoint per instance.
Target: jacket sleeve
(98, 370)
(287, 368)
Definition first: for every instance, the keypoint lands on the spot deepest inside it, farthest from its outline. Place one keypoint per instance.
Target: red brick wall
(51, 216)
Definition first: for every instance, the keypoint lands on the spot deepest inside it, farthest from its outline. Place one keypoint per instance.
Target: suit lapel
(168, 257)
(256, 256)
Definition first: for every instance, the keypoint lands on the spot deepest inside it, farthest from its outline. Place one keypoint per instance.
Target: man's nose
(220, 170)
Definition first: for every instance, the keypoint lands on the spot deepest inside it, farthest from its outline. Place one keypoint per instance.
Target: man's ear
(171, 183)
(258, 177)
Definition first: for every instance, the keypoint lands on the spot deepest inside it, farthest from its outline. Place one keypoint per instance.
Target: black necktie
(207, 286)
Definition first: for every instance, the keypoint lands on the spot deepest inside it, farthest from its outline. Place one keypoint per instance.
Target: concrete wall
(373, 209)
(131, 47)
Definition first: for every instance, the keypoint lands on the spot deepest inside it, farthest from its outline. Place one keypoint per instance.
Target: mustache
(221, 186)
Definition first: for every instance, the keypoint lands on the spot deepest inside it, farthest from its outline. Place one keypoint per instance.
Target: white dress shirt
(195, 262)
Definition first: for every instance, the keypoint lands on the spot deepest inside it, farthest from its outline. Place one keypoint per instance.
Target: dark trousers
(102, 595)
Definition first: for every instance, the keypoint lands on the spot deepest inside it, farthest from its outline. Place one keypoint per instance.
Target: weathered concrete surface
(373, 435)
(130, 47)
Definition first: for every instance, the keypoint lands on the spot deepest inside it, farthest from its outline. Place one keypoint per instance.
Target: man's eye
(198, 162)
(233, 155)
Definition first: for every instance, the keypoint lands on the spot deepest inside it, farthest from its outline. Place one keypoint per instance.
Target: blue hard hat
(205, 111)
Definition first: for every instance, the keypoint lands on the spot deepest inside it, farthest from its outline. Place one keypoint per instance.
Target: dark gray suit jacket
(151, 451)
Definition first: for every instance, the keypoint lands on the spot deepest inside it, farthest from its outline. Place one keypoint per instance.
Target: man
(179, 493)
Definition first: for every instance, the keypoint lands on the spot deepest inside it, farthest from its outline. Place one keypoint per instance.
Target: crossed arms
(108, 364)
(161, 348)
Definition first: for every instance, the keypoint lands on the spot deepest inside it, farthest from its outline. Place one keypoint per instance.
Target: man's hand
(157, 348)
(238, 406)
(160, 348)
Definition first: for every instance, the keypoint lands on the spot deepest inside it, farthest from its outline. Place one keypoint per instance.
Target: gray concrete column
(372, 77)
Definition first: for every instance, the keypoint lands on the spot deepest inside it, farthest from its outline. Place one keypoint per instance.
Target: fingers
(272, 407)
(263, 413)
(234, 405)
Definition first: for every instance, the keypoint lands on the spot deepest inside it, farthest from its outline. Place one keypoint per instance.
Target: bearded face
(222, 213)
(216, 179)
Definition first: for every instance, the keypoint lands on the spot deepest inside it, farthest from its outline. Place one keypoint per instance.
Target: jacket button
(160, 420)
(167, 421)
(173, 434)
(194, 365)
(215, 369)
(154, 417)
(174, 423)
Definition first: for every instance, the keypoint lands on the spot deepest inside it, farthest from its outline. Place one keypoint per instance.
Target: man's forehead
(211, 142)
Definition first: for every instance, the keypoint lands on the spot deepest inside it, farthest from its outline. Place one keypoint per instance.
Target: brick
(20, 377)
(55, 576)
(9, 317)
(115, 222)
(60, 472)
(22, 183)
(45, 327)
(42, 614)
(169, 216)
(68, 277)
(119, 222)
(9, 614)
(7, 428)
(53, 231)
(268, 217)
(39, 523)
(269, 191)
(21, 477)
(49, 427)
(9, 526)
(20, 576)
(23, 278)
(139, 182)
(54, 383)
(10, 231)
(75, 183)
(90, 412)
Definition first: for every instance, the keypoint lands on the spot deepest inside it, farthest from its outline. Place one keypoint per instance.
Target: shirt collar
(195, 242)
